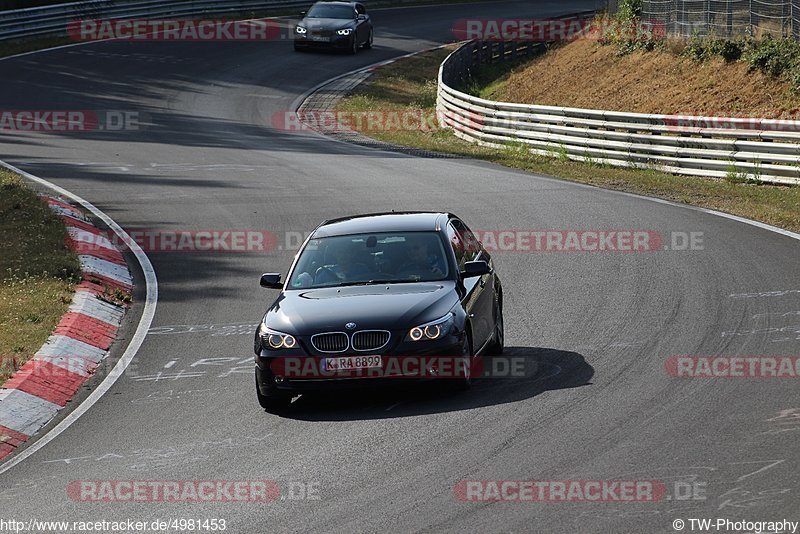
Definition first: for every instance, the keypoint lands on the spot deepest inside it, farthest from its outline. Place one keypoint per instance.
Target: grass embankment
(658, 81)
(410, 84)
(37, 273)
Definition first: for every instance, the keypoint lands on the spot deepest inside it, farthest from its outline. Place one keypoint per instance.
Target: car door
(478, 301)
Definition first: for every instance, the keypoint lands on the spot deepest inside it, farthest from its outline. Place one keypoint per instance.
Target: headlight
(431, 331)
(300, 29)
(346, 31)
(276, 340)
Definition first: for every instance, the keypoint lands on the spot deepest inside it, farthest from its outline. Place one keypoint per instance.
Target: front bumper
(339, 42)
(401, 366)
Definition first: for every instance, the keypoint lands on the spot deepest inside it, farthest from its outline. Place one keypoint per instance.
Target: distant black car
(378, 298)
(339, 25)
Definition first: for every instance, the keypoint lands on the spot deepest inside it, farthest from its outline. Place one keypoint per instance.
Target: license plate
(350, 363)
(320, 38)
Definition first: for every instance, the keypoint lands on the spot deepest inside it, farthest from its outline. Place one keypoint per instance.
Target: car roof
(335, 2)
(406, 221)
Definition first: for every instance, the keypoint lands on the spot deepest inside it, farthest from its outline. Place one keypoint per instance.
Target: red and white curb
(44, 385)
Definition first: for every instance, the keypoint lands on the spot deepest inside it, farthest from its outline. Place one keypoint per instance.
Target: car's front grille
(330, 342)
(370, 339)
(362, 340)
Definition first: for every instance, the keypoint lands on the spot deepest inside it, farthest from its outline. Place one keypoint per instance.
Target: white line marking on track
(148, 313)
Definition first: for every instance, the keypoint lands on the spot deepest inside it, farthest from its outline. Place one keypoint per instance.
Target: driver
(346, 266)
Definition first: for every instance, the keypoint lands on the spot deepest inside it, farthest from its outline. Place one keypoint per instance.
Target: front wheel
(497, 344)
(354, 45)
(464, 382)
(368, 44)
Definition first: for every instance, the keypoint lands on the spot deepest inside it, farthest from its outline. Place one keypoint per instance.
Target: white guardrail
(766, 150)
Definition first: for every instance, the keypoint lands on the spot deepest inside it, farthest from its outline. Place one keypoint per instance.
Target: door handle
(483, 283)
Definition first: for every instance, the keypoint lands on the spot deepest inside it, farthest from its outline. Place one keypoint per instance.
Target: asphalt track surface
(594, 330)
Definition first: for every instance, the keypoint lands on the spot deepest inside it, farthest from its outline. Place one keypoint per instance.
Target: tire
(497, 345)
(368, 44)
(465, 382)
(354, 47)
(275, 401)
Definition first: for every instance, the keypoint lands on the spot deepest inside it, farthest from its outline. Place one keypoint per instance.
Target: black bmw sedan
(338, 25)
(379, 298)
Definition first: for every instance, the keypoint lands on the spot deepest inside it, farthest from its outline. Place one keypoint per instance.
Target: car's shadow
(520, 373)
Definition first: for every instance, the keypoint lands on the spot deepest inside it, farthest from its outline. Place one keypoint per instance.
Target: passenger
(421, 258)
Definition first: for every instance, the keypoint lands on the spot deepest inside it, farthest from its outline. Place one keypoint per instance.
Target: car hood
(384, 307)
(327, 24)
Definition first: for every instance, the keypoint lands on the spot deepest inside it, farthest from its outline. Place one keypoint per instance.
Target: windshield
(370, 259)
(331, 12)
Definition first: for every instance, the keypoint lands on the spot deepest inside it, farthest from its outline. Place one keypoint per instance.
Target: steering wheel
(325, 271)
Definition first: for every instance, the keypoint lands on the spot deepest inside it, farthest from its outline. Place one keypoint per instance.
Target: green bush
(728, 49)
(779, 58)
(772, 56)
(703, 49)
(696, 49)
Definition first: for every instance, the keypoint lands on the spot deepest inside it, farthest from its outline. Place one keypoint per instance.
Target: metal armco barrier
(766, 150)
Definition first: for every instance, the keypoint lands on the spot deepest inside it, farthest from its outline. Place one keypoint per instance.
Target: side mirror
(475, 268)
(271, 280)
(362, 17)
